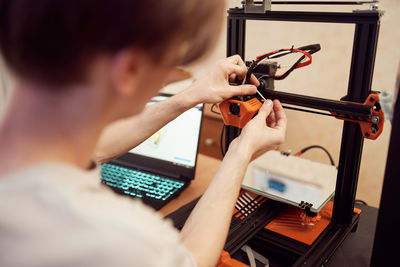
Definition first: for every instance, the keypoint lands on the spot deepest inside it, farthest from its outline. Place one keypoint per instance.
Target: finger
(280, 115)
(254, 80)
(271, 122)
(232, 77)
(240, 62)
(236, 69)
(236, 59)
(265, 110)
(244, 89)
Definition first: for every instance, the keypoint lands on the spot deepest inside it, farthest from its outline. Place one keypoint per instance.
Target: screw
(374, 6)
(375, 119)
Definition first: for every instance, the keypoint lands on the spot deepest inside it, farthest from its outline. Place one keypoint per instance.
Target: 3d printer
(363, 118)
(359, 94)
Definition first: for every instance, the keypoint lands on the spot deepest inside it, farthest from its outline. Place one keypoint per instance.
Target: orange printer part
(225, 260)
(292, 223)
(372, 126)
(238, 113)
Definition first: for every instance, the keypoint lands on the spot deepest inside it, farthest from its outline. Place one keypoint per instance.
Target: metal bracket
(256, 7)
(305, 205)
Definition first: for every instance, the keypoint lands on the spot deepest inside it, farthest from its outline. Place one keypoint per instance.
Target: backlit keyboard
(155, 190)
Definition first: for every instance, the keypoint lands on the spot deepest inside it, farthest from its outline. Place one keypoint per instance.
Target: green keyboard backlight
(139, 184)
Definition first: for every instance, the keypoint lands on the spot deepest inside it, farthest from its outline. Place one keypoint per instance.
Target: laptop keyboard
(139, 184)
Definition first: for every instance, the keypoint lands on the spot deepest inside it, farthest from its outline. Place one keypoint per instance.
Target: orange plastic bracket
(225, 260)
(371, 127)
(238, 113)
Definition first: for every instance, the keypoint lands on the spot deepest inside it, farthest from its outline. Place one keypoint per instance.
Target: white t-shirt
(58, 215)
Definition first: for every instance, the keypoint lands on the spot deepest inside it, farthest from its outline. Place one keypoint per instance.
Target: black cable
(213, 111)
(292, 68)
(313, 48)
(221, 140)
(310, 49)
(317, 146)
(222, 132)
(361, 202)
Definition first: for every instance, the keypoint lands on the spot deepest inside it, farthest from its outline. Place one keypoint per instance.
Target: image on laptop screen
(177, 141)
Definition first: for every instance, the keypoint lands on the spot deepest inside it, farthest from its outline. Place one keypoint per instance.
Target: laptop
(160, 168)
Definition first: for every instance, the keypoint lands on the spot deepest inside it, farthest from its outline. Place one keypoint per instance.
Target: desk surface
(205, 171)
(355, 250)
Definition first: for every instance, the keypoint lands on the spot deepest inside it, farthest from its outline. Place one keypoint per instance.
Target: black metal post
(362, 66)
(308, 16)
(338, 107)
(236, 37)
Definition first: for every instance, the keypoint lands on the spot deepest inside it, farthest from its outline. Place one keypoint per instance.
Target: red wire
(300, 65)
(269, 53)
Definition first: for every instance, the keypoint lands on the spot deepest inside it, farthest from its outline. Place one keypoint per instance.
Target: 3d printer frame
(359, 88)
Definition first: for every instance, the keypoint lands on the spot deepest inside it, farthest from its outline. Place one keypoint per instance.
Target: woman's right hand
(266, 131)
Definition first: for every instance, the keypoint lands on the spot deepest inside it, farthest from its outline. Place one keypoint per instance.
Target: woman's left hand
(214, 86)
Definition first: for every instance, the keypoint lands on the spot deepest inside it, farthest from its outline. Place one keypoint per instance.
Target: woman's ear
(125, 71)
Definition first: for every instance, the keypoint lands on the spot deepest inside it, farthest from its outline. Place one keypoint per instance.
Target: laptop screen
(176, 142)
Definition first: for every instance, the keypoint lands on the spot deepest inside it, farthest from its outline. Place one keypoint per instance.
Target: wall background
(327, 77)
